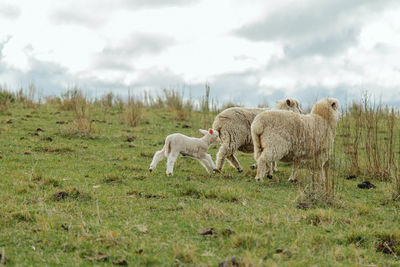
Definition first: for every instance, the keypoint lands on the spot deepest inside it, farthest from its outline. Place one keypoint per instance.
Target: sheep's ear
(289, 103)
(204, 132)
(334, 105)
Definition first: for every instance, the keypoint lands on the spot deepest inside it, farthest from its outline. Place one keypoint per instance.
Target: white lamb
(192, 147)
(288, 136)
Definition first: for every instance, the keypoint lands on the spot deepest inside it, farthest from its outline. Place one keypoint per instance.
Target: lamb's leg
(171, 161)
(222, 154)
(158, 156)
(205, 164)
(296, 164)
(210, 161)
(235, 163)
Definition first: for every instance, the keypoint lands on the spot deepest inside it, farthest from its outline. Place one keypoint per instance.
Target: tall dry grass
(6, 98)
(174, 101)
(80, 105)
(132, 112)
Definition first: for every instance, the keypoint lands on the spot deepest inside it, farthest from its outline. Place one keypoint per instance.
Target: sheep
(233, 126)
(191, 147)
(287, 136)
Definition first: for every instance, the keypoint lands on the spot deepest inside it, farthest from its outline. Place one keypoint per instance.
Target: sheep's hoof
(240, 170)
(169, 174)
(253, 167)
(269, 176)
(259, 180)
(150, 170)
(292, 180)
(216, 171)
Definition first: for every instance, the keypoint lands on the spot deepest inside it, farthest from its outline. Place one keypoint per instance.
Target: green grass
(83, 201)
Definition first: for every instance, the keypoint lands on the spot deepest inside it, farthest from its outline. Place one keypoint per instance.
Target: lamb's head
(212, 136)
(290, 104)
(328, 108)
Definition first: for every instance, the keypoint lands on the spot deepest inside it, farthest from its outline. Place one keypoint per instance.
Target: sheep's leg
(170, 162)
(235, 163)
(296, 164)
(324, 172)
(274, 166)
(262, 164)
(158, 156)
(223, 153)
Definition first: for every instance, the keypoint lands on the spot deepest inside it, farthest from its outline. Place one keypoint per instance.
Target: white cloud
(248, 51)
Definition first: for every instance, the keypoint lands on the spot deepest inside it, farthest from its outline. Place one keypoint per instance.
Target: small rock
(39, 130)
(186, 126)
(351, 177)
(36, 134)
(47, 139)
(278, 250)
(60, 122)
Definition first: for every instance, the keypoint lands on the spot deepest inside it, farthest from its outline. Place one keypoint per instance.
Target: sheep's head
(290, 104)
(327, 108)
(212, 134)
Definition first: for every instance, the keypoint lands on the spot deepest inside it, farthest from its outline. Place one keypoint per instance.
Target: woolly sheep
(192, 147)
(233, 126)
(287, 136)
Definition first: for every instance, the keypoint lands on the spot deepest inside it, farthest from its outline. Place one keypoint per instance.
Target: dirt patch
(73, 194)
(366, 185)
(48, 138)
(389, 244)
(130, 139)
(144, 195)
(232, 262)
(54, 149)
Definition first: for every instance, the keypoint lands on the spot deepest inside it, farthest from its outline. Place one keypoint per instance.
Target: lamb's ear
(289, 102)
(204, 132)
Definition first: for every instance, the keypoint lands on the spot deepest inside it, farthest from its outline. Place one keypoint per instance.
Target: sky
(249, 52)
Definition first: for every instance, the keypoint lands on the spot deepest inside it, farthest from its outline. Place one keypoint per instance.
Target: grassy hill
(75, 190)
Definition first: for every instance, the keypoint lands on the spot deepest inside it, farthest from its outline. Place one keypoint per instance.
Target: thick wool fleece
(287, 136)
(233, 125)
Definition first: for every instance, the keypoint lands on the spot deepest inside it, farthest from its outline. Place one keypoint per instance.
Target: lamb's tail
(167, 147)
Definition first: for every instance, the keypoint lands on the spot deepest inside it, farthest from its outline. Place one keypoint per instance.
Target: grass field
(73, 199)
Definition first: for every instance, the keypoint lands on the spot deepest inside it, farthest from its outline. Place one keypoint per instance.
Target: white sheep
(287, 136)
(192, 147)
(233, 126)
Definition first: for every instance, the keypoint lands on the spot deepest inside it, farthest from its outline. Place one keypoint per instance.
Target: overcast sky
(249, 51)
